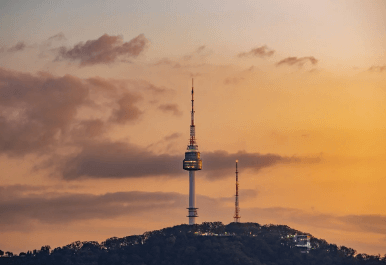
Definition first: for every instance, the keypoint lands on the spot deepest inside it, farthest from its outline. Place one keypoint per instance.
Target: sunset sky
(94, 117)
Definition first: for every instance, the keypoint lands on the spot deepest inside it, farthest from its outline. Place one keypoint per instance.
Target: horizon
(95, 115)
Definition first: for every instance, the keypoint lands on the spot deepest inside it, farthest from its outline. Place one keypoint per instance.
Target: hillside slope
(207, 243)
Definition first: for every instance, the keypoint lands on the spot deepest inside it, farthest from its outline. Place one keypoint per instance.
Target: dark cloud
(126, 110)
(119, 160)
(298, 61)
(68, 207)
(35, 110)
(24, 204)
(20, 46)
(377, 68)
(173, 108)
(18, 190)
(115, 86)
(261, 52)
(122, 160)
(47, 207)
(88, 128)
(38, 113)
(220, 163)
(107, 49)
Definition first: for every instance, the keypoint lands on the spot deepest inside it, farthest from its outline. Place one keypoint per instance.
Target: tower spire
(192, 126)
(237, 206)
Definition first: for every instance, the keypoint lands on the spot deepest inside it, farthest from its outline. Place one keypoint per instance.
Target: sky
(95, 114)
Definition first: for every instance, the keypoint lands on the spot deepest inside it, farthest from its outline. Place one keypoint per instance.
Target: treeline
(208, 243)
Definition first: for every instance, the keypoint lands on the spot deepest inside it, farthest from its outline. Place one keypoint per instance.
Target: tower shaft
(192, 198)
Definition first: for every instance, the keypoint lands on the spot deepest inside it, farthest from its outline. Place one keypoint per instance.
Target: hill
(207, 243)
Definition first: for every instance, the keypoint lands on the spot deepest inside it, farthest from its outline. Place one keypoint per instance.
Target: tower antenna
(237, 206)
(192, 163)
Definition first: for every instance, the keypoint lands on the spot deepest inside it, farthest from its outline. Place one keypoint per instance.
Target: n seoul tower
(192, 162)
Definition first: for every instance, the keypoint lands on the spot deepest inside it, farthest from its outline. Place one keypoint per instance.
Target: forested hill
(207, 243)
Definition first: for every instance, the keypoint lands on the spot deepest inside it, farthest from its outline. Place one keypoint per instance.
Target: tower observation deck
(192, 163)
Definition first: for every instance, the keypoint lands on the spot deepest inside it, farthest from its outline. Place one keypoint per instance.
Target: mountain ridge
(206, 243)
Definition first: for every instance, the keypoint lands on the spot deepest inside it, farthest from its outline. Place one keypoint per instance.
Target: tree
(1, 253)
(45, 250)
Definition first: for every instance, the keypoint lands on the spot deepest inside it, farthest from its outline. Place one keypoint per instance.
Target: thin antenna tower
(237, 206)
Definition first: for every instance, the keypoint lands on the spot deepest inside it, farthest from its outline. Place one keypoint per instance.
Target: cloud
(219, 163)
(34, 110)
(182, 63)
(123, 160)
(52, 207)
(58, 37)
(261, 52)
(126, 110)
(48, 207)
(194, 59)
(358, 223)
(172, 136)
(104, 50)
(297, 61)
(167, 144)
(199, 52)
(377, 68)
(88, 128)
(26, 206)
(20, 46)
(39, 113)
(119, 160)
(173, 108)
(372, 223)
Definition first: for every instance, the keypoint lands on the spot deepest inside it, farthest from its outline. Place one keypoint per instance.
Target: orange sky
(94, 117)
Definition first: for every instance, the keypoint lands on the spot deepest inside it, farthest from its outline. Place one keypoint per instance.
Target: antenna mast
(237, 207)
(192, 126)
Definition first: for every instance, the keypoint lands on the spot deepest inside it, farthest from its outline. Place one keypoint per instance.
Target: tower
(237, 207)
(192, 163)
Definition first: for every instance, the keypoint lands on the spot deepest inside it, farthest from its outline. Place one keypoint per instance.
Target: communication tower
(237, 207)
(192, 163)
